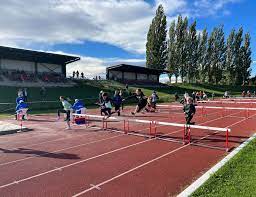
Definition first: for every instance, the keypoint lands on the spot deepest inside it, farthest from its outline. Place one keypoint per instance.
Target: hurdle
(153, 125)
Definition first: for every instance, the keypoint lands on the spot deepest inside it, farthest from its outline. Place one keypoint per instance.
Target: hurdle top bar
(158, 122)
(195, 126)
(211, 107)
(230, 102)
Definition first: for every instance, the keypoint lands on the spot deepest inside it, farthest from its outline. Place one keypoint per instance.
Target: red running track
(49, 161)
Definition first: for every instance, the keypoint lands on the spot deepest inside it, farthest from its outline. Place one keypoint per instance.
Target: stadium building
(28, 66)
(134, 74)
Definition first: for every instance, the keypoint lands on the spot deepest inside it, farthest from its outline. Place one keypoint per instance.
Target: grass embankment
(236, 178)
(89, 90)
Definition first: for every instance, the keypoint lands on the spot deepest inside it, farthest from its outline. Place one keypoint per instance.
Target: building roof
(35, 56)
(137, 69)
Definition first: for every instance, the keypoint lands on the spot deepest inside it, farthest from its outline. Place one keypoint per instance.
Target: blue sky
(107, 32)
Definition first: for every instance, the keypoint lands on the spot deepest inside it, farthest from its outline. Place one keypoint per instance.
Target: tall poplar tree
(237, 55)
(156, 47)
(192, 53)
(230, 58)
(172, 65)
(181, 45)
(202, 55)
(245, 59)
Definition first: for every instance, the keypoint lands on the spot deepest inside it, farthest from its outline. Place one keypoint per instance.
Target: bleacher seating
(14, 75)
(52, 77)
(22, 76)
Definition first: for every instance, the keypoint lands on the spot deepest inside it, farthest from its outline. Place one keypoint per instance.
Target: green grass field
(236, 178)
(89, 90)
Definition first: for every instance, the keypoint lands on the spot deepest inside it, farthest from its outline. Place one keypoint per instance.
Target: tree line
(205, 57)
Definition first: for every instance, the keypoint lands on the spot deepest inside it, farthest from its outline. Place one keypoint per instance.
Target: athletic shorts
(141, 106)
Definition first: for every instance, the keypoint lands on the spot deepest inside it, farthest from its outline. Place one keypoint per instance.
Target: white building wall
(43, 67)
(17, 65)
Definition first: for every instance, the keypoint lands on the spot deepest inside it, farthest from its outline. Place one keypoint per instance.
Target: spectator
(25, 94)
(186, 95)
(204, 96)
(43, 93)
(248, 93)
(154, 100)
(176, 96)
(74, 74)
(243, 94)
(226, 95)
(194, 97)
(20, 93)
(77, 74)
(82, 75)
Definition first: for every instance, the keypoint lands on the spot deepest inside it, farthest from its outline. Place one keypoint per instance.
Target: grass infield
(236, 178)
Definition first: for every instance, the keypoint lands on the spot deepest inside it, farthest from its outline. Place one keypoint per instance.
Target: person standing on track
(189, 111)
(21, 106)
(154, 98)
(117, 101)
(66, 110)
(141, 99)
(121, 95)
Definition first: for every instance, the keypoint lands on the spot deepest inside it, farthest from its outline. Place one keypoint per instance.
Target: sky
(109, 32)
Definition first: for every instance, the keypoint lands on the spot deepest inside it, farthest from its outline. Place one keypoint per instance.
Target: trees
(230, 58)
(192, 55)
(172, 63)
(202, 55)
(217, 57)
(156, 47)
(237, 55)
(245, 54)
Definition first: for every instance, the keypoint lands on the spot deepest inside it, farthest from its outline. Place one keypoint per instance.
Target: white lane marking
(95, 186)
(91, 158)
(133, 169)
(200, 181)
(30, 157)
(129, 171)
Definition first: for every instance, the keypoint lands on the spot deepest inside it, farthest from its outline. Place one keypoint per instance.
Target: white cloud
(121, 23)
(211, 7)
(96, 66)
(171, 6)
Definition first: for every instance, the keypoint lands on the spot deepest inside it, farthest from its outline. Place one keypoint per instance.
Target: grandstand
(135, 75)
(22, 67)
